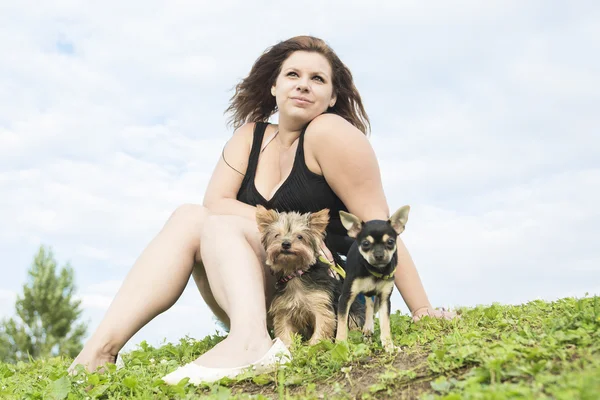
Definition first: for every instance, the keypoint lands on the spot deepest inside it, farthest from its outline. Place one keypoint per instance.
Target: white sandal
(277, 354)
(119, 362)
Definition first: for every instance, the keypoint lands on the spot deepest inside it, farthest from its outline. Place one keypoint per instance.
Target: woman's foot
(93, 357)
(230, 358)
(434, 313)
(235, 351)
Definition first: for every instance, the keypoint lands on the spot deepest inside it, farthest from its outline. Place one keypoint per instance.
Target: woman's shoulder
(237, 148)
(243, 136)
(245, 132)
(330, 138)
(333, 130)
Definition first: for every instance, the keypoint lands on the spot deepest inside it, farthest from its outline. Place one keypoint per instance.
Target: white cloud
(96, 301)
(484, 119)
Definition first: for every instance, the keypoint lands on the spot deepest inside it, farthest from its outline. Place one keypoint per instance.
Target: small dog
(307, 293)
(370, 268)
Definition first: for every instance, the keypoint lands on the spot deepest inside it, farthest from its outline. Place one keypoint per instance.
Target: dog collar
(287, 278)
(379, 275)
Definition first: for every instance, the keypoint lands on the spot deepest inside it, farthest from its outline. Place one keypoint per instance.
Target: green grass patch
(539, 350)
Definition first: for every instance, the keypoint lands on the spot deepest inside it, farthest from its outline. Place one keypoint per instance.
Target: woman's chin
(299, 117)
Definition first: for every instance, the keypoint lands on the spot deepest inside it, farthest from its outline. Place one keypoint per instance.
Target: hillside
(533, 351)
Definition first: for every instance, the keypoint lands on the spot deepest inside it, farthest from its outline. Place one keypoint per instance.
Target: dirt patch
(359, 379)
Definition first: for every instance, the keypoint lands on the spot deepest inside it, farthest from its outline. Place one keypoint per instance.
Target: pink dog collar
(286, 279)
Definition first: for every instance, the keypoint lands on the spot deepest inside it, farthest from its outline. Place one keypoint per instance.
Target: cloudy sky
(485, 119)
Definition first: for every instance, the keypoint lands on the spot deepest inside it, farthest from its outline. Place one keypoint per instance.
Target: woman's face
(304, 89)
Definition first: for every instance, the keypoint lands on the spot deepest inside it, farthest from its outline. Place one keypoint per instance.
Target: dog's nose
(286, 245)
(379, 257)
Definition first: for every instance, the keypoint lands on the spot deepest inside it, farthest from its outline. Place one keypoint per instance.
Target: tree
(47, 313)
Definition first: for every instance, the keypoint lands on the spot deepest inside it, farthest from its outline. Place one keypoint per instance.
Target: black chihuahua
(370, 268)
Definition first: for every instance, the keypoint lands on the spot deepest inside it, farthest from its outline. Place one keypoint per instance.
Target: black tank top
(303, 191)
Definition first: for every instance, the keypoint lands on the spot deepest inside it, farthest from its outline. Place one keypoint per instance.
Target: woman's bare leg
(239, 289)
(233, 264)
(154, 283)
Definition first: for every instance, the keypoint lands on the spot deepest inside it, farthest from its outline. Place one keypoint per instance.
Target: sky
(484, 114)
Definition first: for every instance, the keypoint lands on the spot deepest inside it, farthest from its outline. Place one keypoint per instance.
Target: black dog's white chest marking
(371, 286)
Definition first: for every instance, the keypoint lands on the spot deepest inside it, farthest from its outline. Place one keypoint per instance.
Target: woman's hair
(254, 102)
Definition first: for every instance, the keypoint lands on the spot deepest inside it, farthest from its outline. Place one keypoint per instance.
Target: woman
(318, 156)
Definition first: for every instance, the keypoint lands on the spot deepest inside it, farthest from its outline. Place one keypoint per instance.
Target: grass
(539, 350)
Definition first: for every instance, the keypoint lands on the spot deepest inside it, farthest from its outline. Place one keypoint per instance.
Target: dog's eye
(277, 235)
(300, 237)
(391, 242)
(365, 244)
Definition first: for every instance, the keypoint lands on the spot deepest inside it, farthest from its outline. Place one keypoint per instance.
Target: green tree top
(47, 313)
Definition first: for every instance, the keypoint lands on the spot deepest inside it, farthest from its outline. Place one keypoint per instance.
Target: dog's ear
(319, 220)
(352, 223)
(399, 219)
(265, 217)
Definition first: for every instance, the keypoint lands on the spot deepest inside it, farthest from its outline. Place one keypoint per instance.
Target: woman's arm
(348, 162)
(221, 192)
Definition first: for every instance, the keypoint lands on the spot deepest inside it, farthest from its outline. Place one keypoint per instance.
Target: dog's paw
(389, 347)
(367, 331)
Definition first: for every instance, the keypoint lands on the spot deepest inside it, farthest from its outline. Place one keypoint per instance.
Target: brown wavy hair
(252, 100)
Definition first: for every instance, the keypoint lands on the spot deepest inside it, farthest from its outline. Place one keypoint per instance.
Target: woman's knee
(232, 228)
(192, 216)
(185, 223)
(230, 225)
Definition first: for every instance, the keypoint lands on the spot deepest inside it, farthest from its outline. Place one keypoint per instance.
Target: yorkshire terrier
(370, 268)
(307, 292)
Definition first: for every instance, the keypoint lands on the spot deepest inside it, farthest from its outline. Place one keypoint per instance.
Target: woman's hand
(434, 313)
